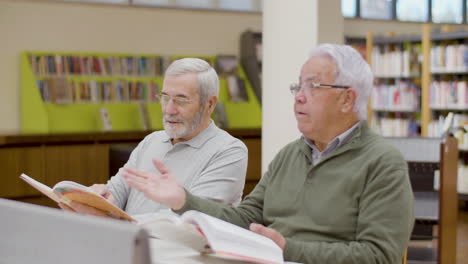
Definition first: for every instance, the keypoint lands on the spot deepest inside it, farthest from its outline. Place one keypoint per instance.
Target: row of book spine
(396, 127)
(460, 120)
(100, 66)
(449, 58)
(400, 96)
(62, 91)
(397, 62)
(449, 94)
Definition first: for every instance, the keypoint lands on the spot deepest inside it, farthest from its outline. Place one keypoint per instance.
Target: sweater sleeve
(386, 203)
(249, 211)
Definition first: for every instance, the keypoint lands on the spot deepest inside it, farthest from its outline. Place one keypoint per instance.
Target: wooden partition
(83, 158)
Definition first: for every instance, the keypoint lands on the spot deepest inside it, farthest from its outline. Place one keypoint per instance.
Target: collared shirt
(332, 145)
(211, 165)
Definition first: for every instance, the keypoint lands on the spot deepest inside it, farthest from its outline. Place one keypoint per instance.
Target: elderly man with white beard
(206, 160)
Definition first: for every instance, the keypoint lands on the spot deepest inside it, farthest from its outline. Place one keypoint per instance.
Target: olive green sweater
(354, 206)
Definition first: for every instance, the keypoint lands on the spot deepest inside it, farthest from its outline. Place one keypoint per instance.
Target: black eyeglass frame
(294, 88)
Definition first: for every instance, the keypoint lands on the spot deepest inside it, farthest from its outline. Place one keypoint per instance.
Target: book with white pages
(69, 191)
(214, 237)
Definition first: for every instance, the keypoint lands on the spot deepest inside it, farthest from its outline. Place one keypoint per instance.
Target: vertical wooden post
(448, 202)
(426, 79)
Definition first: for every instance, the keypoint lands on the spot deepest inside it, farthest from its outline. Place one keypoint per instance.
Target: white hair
(208, 81)
(351, 70)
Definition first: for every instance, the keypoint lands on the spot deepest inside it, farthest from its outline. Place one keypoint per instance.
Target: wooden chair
(432, 207)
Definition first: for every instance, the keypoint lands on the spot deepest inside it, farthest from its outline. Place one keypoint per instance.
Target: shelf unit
(443, 81)
(457, 69)
(394, 108)
(39, 116)
(251, 59)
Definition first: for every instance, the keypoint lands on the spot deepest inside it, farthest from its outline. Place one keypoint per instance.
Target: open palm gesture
(162, 188)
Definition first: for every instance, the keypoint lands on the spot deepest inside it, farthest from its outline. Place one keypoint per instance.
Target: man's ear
(212, 101)
(349, 100)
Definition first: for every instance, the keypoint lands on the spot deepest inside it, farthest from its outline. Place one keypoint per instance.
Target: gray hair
(208, 81)
(351, 70)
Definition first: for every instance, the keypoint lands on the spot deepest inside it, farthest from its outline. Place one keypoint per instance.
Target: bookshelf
(442, 87)
(441, 78)
(394, 108)
(63, 92)
(448, 92)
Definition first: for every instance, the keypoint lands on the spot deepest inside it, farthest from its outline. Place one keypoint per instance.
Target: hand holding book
(100, 189)
(72, 196)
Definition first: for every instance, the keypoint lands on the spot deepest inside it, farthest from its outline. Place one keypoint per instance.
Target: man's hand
(102, 190)
(270, 233)
(80, 208)
(162, 188)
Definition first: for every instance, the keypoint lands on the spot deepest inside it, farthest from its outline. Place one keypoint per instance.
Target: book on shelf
(209, 235)
(402, 95)
(105, 119)
(144, 116)
(449, 94)
(396, 61)
(100, 65)
(396, 127)
(237, 89)
(226, 64)
(449, 58)
(69, 191)
(61, 90)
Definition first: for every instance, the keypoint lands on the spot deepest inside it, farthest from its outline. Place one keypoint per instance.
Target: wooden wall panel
(13, 162)
(254, 169)
(85, 164)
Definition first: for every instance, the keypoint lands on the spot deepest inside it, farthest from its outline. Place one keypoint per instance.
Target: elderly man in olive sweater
(338, 194)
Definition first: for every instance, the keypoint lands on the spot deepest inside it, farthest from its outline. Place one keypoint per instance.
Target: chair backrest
(424, 156)
(38, 234)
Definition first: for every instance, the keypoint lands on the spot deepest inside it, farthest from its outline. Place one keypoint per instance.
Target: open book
(68, 191)
(209, 235)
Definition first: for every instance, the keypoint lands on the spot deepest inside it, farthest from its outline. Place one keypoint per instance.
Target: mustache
(167, 118)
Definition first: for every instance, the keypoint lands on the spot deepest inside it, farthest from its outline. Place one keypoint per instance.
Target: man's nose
(300, 97)
(171, 108)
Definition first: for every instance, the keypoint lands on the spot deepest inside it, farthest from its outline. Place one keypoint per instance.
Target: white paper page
(168, 226)
(169, 252)
(73, 185)
(40, 187)
(229, 238)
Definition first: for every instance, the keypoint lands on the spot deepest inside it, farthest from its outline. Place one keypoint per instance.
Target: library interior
(81, 85)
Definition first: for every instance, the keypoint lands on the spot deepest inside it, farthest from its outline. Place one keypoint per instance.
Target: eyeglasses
(295, 88)
(178, 100)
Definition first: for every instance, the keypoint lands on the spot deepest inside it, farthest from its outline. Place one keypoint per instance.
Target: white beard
(182, 129)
